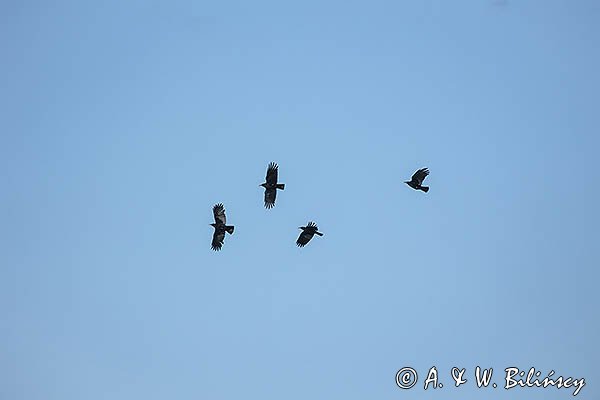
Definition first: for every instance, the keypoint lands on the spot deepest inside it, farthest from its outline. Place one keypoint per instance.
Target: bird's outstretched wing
(304, 238)
(219, 213)
(313, 226)
(270, 195)
(272, 173)
(420, 175)
(217, 240)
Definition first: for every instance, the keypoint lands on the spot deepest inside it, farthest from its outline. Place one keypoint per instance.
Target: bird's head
(213, 225)
(263, 185)
(302, 227)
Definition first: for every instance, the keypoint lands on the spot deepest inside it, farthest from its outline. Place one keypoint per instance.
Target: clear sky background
(124, 122)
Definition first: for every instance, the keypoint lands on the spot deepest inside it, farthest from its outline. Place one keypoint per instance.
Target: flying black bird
(271, 185)
(417, 180)
(308, 232)
(220, 227)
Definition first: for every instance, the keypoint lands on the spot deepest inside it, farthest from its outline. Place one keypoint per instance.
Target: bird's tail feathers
(281, 186)
(229, 229)
(319, 233)
(425, 188)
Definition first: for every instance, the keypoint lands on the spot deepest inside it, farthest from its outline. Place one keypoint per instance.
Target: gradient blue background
(123, 122)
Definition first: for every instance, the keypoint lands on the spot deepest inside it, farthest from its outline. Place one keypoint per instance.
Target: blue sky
(123, 123)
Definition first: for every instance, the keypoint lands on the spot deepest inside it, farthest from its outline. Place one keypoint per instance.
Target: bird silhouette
(416, 181)
(307, 233)
(220, 227)
(271, 185)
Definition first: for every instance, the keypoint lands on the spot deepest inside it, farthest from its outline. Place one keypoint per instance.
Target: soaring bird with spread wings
(307, 233)
(220, 227)
(417, 179)
(271, 185)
